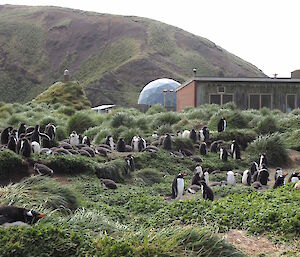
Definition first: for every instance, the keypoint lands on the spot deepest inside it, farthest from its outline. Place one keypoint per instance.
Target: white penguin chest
(180, 186)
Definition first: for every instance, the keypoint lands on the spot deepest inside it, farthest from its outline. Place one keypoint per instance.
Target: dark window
(254, 102)
(290, 102)
(227, 98)
(215, 99)
(221, 89)
(266, 101)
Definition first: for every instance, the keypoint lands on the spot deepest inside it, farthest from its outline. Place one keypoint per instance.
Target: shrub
(273, 146)
(100, 137)
(79, 122)
(129, 134)
(289, 123)
(122, 119)
(92, 132)
(267, 125)
(11, 165)
(157, 108)
(15, 119)
(150, 176)
(163, 129)
(183, 143)
(61, 133)
(114, 170)
(293, 141)
(45, 121)
(166, 118)
(69, 111)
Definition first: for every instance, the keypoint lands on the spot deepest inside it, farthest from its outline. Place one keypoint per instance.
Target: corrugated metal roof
(222, 79)
(103, 107)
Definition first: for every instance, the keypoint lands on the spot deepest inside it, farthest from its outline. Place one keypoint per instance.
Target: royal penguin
(193, 135)
(42, 169)
(25, 148)
(142, 144)
(178, 186)
(203, 148)
(167, 142)
(257, 185)
(186, 134)
(223, 154)
(221, 125)
(207, 192)
(235, 150)
(198, 176)
(74, 139)
(14, 133)
(5, 135)
(205, 132)
(110, 142)
(201, 136)
(278, 172)
(297, 185)
(129, 159)
(12, 215)
(179, 134)
(50, 130)
(246, 179)
(215, 145)
(22, 128)
(121, 145)
(279, 181)
(12, 144)
(86, 140)
(230, 178)
(294, 177)
(263, 160)
(36, 135)
(254, 168)
(263, 176)
(135, 143)
(155, 136)
(206, 177)
(199, 169)
(108, 183)
(35, 147)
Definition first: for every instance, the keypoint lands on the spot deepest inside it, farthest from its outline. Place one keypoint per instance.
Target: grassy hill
(112, 56)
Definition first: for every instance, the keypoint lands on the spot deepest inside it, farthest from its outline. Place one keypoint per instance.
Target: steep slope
(112, 56)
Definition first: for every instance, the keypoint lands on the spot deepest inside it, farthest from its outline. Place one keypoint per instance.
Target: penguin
(129, 159)
(50, 130)
(179, 134)
(22, 128)
(141, 144)
(5, 135)
(257, 185)
(215, 145)
(263, 176)
(121, 145)
(297, 186)
(12, 215)
(254, 168)
(201, 136)
(294, 177)
(86, 140)
(206, 177)
(193, 189)
(235, 150)
(108, 183)
(155, 136)
(246, 179)
(36, 135)
(29, 129)
(135, 143)
(199, 169)
(223, 154)
(203, 149)
(263, 160)
(197, 178)
(221, 125)
(205, 131)
(74, 139)
(167, 142)
(207, 192)
(278, 172)
(110, 142)
(186, 134)
(178, 186)
(89, 150)
(12, 144)
(279, 181)
(25, 148)
(42, 169)
(230, 178)
(14, 133)
(65, 145)
(193, 135)
(35, 147)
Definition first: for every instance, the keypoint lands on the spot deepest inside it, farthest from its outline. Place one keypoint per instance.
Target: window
(257, 101)
(221, 89)
(254, 102)
(290, 102)
(215, 99)
(220, 99)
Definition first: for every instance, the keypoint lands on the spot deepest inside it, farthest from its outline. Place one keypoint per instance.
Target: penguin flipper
(174, 189)
(43, 135)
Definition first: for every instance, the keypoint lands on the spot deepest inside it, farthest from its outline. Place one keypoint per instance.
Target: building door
(290, 102)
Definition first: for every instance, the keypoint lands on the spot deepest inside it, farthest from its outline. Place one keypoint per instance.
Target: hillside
(112, 56)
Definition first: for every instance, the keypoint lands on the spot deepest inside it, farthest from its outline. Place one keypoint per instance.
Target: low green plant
(150, 176)
(268, 125)
(79, 122)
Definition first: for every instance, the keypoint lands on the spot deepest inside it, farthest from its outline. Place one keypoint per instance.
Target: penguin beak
(184, 174)
(42, 216)
(285, 174)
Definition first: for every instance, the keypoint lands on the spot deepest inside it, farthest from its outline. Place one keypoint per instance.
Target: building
(246, 93)
(106, 108)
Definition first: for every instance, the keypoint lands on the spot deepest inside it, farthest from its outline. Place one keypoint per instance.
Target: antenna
(275, 75)
(194, 71)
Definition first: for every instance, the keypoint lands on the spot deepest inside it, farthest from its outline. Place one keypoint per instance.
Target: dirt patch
(252, 245)
(294, 157)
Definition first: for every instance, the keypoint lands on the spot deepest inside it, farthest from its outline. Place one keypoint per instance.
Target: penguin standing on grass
(36, 135)
(223, 154)
(205, 132)
(110, 142)
(121, 145)
(207, 192)
(193, 135)
(167, 142)
(203, 149)
(5, 135)
(294, 177)
(263, 160)
(178, 186)
(22, 128)
(25, 148)
(263, 176)
(246, 179)
(230, 178)
(235, 150)
(254, 168)
(12, 144)
(279, 181)
(221, 125)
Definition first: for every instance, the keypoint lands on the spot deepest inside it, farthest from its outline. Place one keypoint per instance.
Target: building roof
(103, 107)
(222, 79)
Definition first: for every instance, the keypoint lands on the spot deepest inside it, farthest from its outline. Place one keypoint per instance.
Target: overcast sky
(263, 32)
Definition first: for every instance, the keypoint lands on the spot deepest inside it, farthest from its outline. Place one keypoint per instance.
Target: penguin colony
(30, 140)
